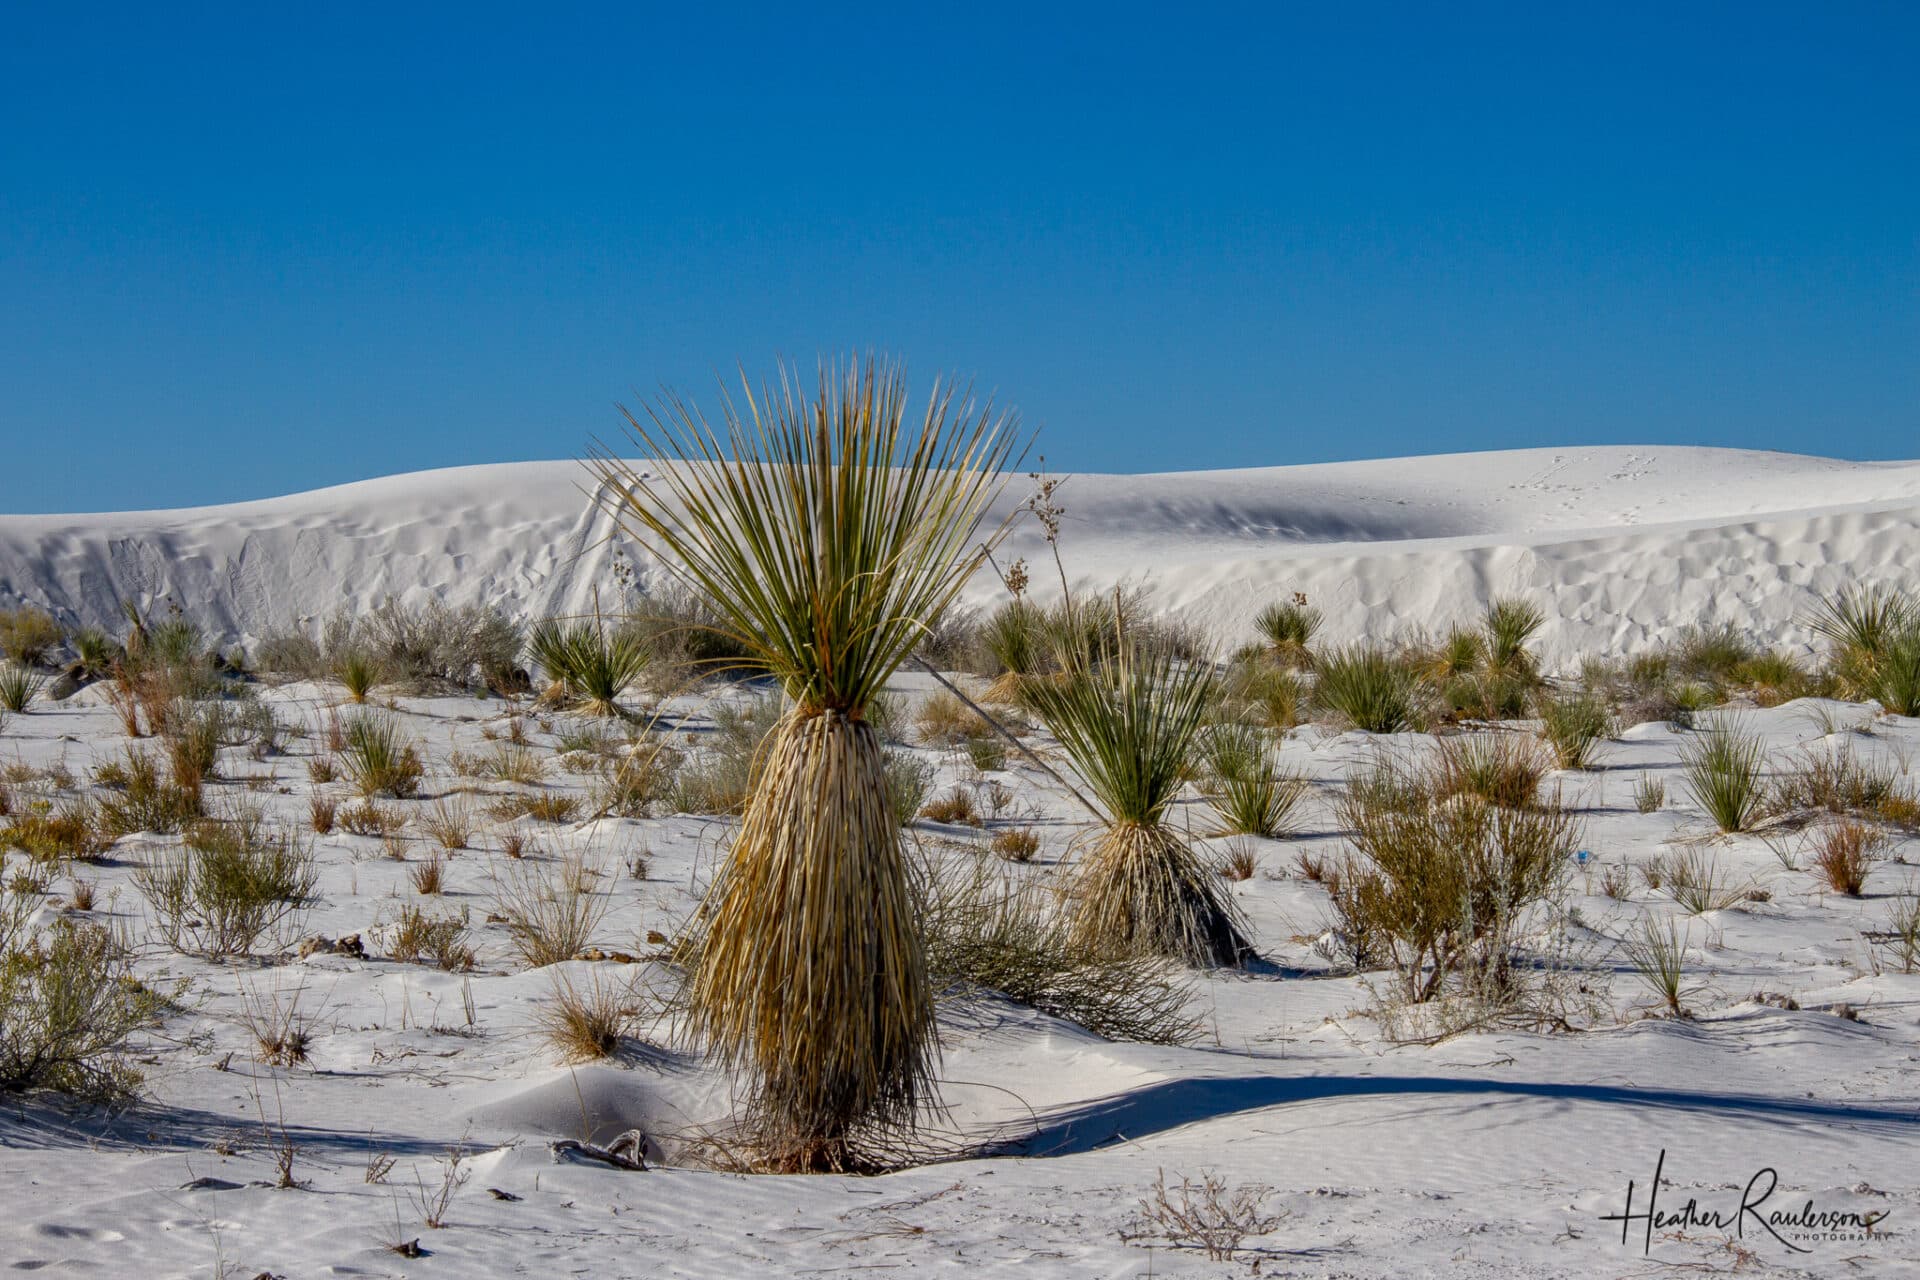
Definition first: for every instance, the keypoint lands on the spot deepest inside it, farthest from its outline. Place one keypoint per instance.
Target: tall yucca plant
(1131, 726)
(825, 531)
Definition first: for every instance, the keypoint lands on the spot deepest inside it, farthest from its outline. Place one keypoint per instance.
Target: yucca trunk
(1140, 890)
(812, 980)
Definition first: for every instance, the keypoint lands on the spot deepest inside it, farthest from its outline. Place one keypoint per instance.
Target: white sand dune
(1621, 543)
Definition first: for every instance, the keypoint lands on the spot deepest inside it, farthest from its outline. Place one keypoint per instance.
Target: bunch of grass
(139, 799)
(824, 531)
(359, 671)
(1845, 853)
(909, 782)
(28, 635)
(585, 1021)
(1013, 636)
(378, 756)
(1721, 770)
(1649, 794)
(1368, 688)
(1132, 727)
(551, 911)
(1288, 627)
(193, 733)
(1691, 877)
(988, 933)
(1506, 630)
(1249, 793)
(1257, 691)
(1658, 954)
(1574, 726)
(440, 940)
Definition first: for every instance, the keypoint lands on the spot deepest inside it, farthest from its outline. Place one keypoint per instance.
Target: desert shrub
(1439, 889)
(1249, 793)
(1721, 770)
(1838, 782)
(140, 800)
(1261, 693)
(1711, 655)
(378, 756)
(438, 645)
(719, 778)
(1015, 844)
(638, 784)
(1844, 854)
(28, 635)
(1773, 677)
(909, 781)
(1210, 1215)
(986, 933)
(1649, 793)
(264, 734)
(70, 1008)
(440, 940)
(47, 834)
(688, 635)
(1014, 640)
(551, 806)
(1365, 686)
(951, 641)
(449, 822)
(368, 818)
(551, 911)
(233, 884)
(321, 811)
(1288, 626)
(19, 686)
(1574, 725)
(1501, 768)
(585, 1021)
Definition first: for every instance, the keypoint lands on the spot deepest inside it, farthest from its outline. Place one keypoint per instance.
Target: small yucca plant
(359, 671)
(1721, 771)
(1251, 795)
(825, 530)
(19, 686)
(1862, 622)
(1013, 636)
(1574, 725)
(1289, 627)
(1367, 687)
(590, 663)
(379, 757)
(1131, 727)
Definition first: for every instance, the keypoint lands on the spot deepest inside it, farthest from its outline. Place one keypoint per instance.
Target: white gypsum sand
(1494, 1153)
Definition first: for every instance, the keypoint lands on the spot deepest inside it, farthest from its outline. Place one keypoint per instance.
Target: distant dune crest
(1621, 544)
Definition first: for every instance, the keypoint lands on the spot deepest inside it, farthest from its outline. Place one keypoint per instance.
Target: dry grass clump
(429, 875)
(517, 763)
(428, 648)
(1845, 852)
(1132, 726)
(1900, 940)
(955, 808)
(1254, 691)
(370, 818)
(1691, 877)
(236, 883)
(440, 940)
(449, 823)
(51, 834)
(1658, 954)
(1210, 1215)
(985, 932)
(1250, 794)
(1015, 844)
(1841, 782)
(909, 782)
(942, 720)
(585, 1021)
(824, 532)
(551, 910)
(70, 1007)
(378, 756)
(1439, 887)
(1501, 768)
(1238, 863)
(719, 778)
(138, 799)
(282, 1035)
(1649, 794)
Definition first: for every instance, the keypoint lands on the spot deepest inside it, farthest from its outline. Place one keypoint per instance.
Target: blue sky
(250, 250)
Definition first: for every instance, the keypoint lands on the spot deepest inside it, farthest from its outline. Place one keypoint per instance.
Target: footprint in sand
(99, 1235)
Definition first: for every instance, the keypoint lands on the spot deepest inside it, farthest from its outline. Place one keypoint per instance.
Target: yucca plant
(379, 757)
(1895, 679)
(1574, 725)
(1249, 793)
(19, 686)
(1366, 686)
(1012, 634)
(1721, 771)
(1131, 727)
(1861, 622)
(826, 531)
(358, 670)
(1507, 627)
(589, 663)
(1289, 627)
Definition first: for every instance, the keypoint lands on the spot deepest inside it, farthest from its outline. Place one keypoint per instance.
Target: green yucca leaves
(1721, 771)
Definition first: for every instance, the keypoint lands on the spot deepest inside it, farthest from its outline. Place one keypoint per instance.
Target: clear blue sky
(245, 250)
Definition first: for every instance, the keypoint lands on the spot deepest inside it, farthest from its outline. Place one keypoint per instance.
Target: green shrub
(1500, 768)
(70, 1007)
(234, 884)
(28, 635)
(144, 801)
(909, 781)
